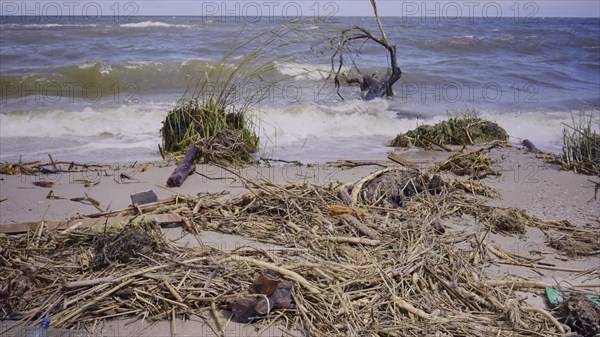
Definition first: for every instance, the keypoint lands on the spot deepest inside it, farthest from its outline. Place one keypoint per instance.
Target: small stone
(143, 197)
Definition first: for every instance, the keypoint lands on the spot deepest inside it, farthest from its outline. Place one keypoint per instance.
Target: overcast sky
(308, 8)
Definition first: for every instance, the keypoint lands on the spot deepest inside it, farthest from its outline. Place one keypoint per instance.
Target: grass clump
(217, 116)
(467, 129)
(206, 123)
(581, 146)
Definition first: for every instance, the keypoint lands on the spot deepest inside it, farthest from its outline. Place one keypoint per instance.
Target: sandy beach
(526, 182)
(383, 170)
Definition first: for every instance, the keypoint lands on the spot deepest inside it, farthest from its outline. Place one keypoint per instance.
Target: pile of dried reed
(581, 146)
(363, 269)
(476, 164)
(37, 167)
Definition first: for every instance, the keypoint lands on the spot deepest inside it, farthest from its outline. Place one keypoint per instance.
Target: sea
(97, 89)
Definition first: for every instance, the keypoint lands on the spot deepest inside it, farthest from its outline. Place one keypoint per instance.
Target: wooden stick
(541, 266)
(207, 283)
(447, 149)
(88, 283)
(145, 208)
(383, 34)
(548, 316)
(92, 302)
(262, 264)
(162, 298)
(187, 167)
(517, 284)
(402, 161)
(23, 227)
(358, 186)
(343, 194)
(354, 240)
(364, 229)
(92, 282)
(173, 328)
(53, 163)
(417, 312)
(218, 318)
(173, 291)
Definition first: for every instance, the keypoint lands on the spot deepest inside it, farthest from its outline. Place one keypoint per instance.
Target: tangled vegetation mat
(354, 264)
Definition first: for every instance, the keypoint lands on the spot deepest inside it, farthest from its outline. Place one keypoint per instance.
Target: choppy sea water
(98, 90)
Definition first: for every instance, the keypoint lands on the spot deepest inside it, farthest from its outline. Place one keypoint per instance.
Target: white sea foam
(303, 71)
(545, 129)
(146, 24)
(306, 132)
(318, 133)
(122, 120)
(87, 65)
(105, 69)
(141, 64)
(52, 25)
(353, 118)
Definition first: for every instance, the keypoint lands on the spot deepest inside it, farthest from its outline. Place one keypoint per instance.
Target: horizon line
(308, 16)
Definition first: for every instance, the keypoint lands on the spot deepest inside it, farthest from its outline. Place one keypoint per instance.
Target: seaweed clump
(506, 221)
(580, 314)
(575, 244)
(123, 246)
(393, 189)
(460, 130)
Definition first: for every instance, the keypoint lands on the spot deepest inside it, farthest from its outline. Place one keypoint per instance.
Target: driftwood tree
(374, 87)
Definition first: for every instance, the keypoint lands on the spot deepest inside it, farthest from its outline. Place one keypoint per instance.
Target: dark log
(530, 146)
(187, 167)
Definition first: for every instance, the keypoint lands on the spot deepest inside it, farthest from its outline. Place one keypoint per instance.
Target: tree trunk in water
(375, 88)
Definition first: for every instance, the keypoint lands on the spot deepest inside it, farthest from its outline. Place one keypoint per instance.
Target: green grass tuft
(217, 116)
(194, 122)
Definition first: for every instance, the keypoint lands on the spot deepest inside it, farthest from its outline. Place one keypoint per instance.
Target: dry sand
(526, 182)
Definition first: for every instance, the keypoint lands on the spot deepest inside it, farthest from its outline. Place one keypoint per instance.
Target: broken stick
(187, 167)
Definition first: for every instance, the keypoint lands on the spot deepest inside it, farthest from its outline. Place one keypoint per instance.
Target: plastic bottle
(42, 330)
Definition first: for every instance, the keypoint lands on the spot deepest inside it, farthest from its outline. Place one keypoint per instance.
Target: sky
(307, 8)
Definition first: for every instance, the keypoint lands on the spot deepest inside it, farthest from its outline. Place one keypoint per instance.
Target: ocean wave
(49, 25)
(545, 129)
(352, 118)
(466, 44)
(141, 75)
(147, 24)
(116, 121)
(304, 71)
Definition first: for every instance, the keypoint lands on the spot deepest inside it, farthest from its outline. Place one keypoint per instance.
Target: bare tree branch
(376, 88)
(383, 34)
